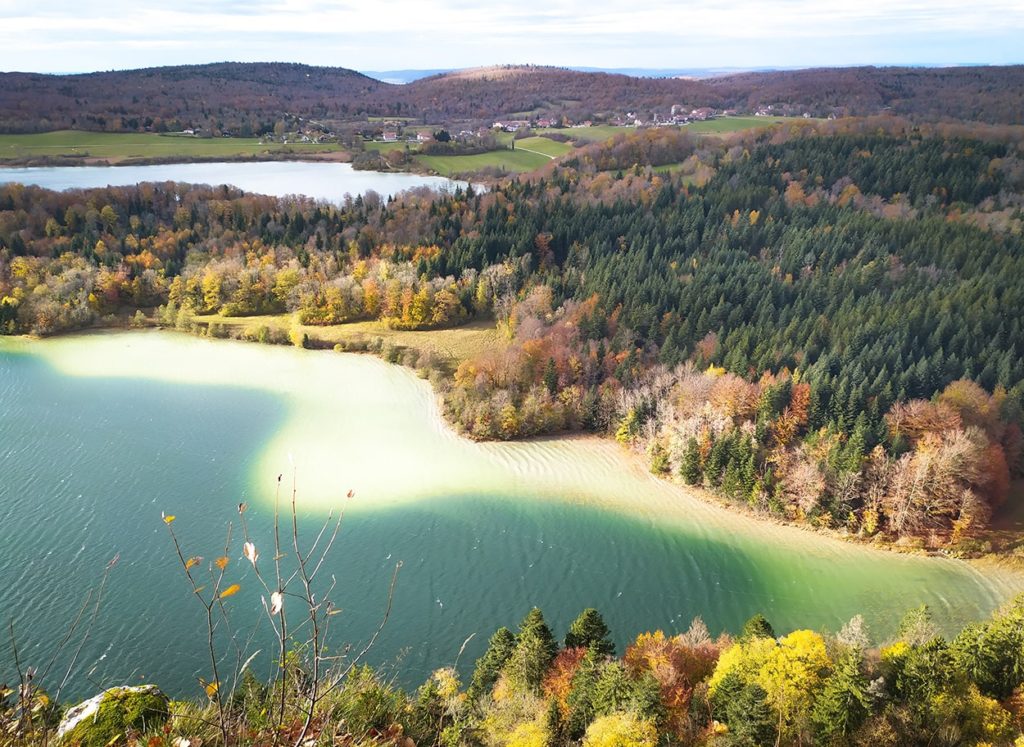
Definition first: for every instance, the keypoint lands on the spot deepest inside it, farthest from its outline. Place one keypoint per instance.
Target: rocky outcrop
(103, 718)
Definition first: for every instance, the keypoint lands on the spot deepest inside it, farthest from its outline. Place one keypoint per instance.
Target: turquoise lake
(101, 433)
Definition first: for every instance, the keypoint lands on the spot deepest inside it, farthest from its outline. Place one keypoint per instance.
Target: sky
(88, 35)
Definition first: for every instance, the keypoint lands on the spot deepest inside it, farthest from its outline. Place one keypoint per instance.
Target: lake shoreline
(1006, 562)
(339, 156)
(314, 176)
(336, 156)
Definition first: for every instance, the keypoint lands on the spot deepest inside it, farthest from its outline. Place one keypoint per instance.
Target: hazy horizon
(54, 36)
(655, 72)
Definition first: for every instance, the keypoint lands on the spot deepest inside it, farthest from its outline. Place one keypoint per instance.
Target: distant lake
(100, 433)
(317, 179)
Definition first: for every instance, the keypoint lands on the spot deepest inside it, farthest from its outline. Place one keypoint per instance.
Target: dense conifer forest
(819, 323)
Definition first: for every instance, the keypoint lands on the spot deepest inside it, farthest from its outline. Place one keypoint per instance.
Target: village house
(512, 125)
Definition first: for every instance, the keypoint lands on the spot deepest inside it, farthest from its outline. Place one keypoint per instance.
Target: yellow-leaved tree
(790, 671)
(621, 730)
(792, 674)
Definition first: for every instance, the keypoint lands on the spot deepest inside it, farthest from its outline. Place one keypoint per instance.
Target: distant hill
(242, 97)
(248, 98)
(982, 93)
(484, 93)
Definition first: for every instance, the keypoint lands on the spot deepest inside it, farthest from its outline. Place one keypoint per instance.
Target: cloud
(56, 35)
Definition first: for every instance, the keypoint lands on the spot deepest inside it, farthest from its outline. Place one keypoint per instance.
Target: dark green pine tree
(748, 476)
(589, 631)
(817, 411)
(716, 461)
(534, 651)
(992, 653)
(757, 627)
(551, 376)
(427, 712)
(613, 689)
(690, 469)
(581, 696)
(732, 479)
(489, 666)
(844, 702)
(856, 445)
(752, 721)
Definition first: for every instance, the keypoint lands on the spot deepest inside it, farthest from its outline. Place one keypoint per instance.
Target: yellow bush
(530, 734)
(620, 730)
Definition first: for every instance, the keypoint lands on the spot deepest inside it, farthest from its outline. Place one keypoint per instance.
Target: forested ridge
(824, 327)
(249, 98)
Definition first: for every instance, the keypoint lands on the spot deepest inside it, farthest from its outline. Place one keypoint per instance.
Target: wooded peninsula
(816, 321)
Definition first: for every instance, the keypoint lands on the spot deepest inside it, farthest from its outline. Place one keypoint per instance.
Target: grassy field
(710, 127)
(543, 145)
(116, 147)
(92, 147)
(453, 345)
(513, 161)
(381, 147)
(735, 124)
(591, 134)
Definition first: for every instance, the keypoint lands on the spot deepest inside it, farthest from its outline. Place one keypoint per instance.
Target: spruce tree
(489, 666)
(534, 651)
(581, 696)
(690, 469)
(751, 719)
(589, 631)
(843, 703)
(551, 376)
(757, 627)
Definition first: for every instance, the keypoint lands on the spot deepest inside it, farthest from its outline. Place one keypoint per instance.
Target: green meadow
(120, 147)
(724, 125)
(543, 145)
(589, 134)
(512, 161)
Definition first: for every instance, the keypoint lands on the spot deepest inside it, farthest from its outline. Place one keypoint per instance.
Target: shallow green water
(99, 434)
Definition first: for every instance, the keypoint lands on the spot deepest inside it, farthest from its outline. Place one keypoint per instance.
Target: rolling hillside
(248, 98)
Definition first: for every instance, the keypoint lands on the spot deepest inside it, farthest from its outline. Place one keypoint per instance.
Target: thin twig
(387, 613)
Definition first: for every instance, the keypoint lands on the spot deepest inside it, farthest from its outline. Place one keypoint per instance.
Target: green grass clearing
(723, 125)
(513, 161)
(453, 345)
(543, 145)
(590, 134)
(127, 146)
(382, 147)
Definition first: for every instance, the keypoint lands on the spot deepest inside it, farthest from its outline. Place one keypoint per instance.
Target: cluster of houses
(514, 125)
(392, 136)
(679, 115)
